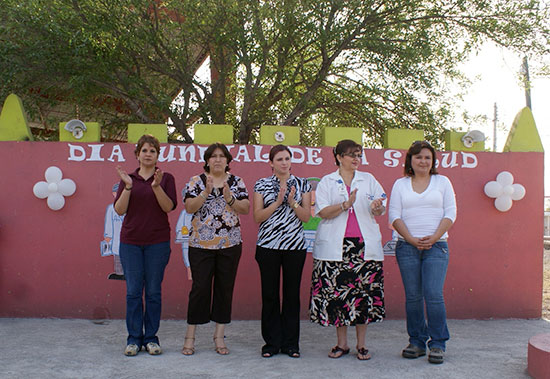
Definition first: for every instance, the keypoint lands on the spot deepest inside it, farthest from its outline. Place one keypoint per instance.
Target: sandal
(363, 354)
(269, 350)
(221, 350)
(188, 350)
(292, 353)
(336, 352)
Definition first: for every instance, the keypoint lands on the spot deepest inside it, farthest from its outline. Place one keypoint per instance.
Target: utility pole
(526, 82)
(495, 120)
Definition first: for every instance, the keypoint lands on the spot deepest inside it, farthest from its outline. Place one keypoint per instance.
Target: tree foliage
(374, 64)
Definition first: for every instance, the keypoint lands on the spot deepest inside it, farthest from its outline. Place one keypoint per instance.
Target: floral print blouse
(215, 225)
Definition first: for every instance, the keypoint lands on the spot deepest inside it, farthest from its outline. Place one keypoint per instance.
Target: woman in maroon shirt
(145, 196)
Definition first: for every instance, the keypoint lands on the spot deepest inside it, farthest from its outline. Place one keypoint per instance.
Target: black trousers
(280, 327)
(214, 273)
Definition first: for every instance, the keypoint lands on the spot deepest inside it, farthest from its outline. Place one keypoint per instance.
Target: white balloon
(519, 192)
(40, 190)
(505, 178)
(66, 187)
(53, 174)
(52, 187)
(508, 190)
(493, 189)
(503, 203)
(56, 201)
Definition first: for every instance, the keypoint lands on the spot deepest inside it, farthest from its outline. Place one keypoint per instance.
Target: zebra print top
(282, 230)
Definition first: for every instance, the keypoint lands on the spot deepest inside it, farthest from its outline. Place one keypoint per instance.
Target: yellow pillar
(135, 131)
(524, 135)
(402, 139)
(13, 121)
(331, 136)
(274, 135)
(209, 134)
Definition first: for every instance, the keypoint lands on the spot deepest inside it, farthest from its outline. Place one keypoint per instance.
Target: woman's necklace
(219, 183)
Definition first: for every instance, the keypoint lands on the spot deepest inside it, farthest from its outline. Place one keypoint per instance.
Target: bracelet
(295, 205)
(342, 206)
(128, 189)
(232, 201)
(202, 195)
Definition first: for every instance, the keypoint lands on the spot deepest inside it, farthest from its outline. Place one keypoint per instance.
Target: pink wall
(51, 266)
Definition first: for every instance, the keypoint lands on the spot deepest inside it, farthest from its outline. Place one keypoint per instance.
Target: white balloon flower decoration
(54, 188)
(504, 191)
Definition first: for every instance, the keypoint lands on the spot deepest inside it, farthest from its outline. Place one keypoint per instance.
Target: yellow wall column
(274, 135)
(208, 134)
(524, 135)
(331, 136)
(402, 139)
(13, 121)
(135, 131)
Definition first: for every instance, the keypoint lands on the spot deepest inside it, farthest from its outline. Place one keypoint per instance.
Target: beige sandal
(221, 350)
(188, 350)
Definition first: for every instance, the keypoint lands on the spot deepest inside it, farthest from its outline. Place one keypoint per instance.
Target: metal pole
(526, 83)
(495, 119)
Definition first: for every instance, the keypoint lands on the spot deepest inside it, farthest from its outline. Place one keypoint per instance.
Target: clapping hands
(124, 176)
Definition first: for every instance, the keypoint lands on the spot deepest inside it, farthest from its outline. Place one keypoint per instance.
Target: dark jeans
(144, 270)
(280, 328)
(423, 273)
(217, 269)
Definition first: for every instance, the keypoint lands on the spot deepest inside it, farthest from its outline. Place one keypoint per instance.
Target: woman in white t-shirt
(422, 209)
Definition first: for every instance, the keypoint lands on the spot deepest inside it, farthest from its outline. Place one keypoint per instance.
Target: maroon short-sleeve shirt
(145, 222)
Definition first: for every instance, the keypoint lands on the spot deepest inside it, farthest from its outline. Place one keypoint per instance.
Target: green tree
(311, 63)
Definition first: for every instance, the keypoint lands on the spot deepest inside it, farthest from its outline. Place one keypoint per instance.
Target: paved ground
(54, 348)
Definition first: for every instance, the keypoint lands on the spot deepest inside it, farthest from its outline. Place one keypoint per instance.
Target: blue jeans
(144, 270)
(423, 273)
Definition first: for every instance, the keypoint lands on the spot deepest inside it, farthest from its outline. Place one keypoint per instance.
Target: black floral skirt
(349, 292)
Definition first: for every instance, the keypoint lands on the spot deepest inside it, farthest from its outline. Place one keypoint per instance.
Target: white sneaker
(131, 350)
(153, 348)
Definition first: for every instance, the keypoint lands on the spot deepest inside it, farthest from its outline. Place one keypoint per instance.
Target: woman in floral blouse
(215, 198)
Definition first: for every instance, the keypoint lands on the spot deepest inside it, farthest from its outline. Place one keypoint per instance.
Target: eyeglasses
(353, 155)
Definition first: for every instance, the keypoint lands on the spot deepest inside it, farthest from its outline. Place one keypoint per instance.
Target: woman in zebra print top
(281, 203)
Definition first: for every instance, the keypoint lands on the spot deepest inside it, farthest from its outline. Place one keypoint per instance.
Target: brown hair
(210, 150)
(151, 140)
(277, 149)
(345, 146)
(416, 148)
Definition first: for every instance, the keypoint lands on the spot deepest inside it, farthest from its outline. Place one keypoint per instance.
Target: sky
(494, 73)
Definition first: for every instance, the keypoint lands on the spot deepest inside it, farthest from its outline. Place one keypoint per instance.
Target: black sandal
(363, 352)
(269, 352)
(292, 353)
(337, 349)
